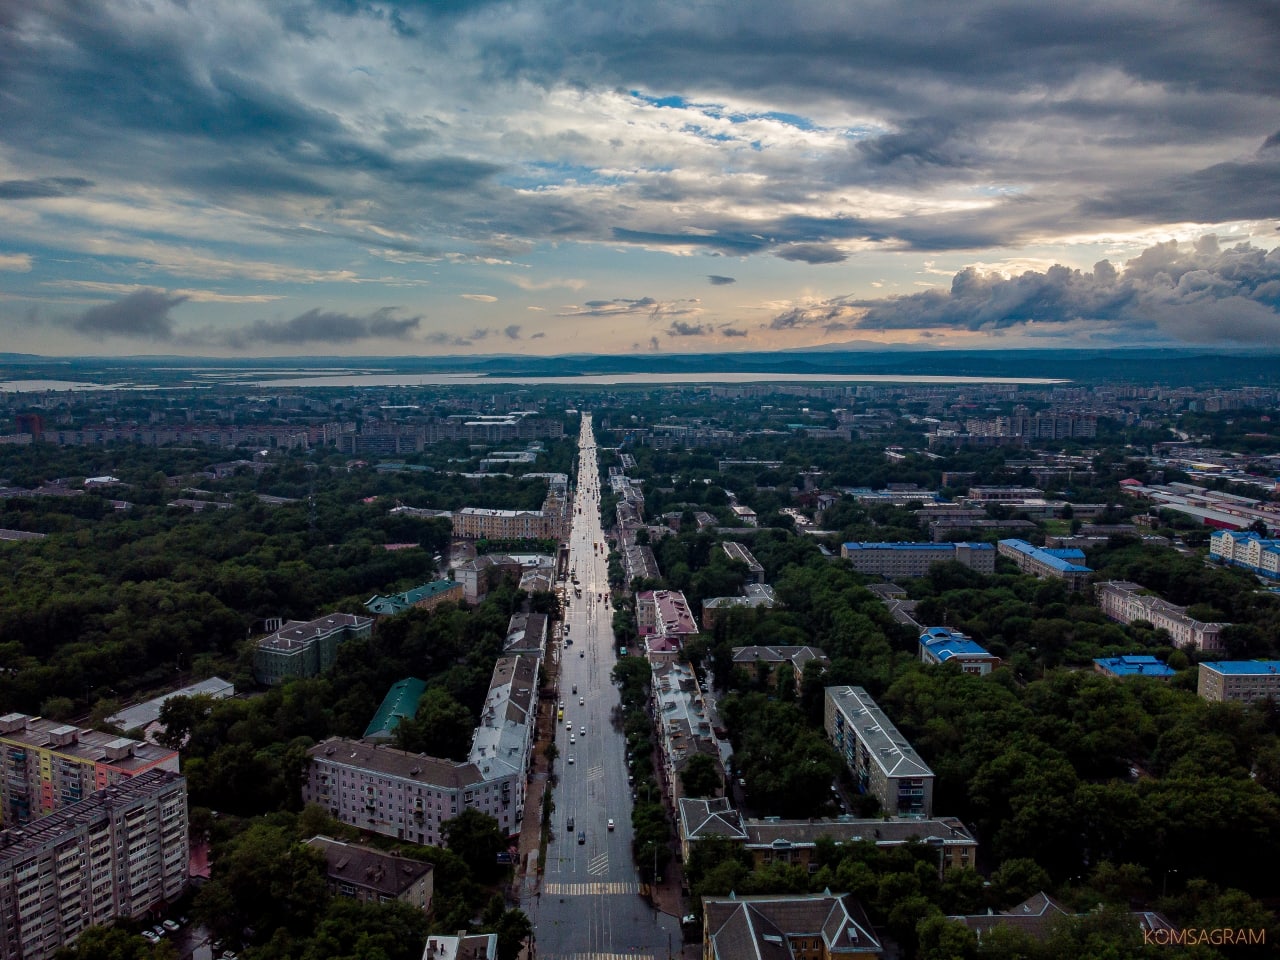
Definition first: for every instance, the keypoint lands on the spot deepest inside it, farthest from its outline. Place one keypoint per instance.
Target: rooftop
(1134, 666)
(885, 745)
(1242, 668)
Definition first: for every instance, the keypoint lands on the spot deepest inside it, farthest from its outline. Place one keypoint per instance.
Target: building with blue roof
(1239, 681)
(1133, 665)
(1247, 549)
(428, 596)
(400, 702)
(943, 645)
(915, 559)
(1060, 564)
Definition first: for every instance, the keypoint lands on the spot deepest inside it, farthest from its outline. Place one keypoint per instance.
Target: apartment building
(401, 702)
(1125, 602)
(795, 842)
(764, 661)
(305, 649)
(411, 796)
(370, 876)
(682, 723)
(915, 559)
(1247, 549)
(663, 619)
(814, 926)
(1057, 564)
(118, 854)
(881, 760)
(943, 645)
(482, 523)
(49, 766)
(754, 595)
(1239, 681)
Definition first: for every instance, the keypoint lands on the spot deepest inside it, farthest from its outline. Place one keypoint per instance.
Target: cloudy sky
(270, 177)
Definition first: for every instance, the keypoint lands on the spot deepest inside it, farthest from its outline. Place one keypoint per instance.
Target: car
(582, 731)
(582, 836)
(742, 782)
(572, 739)
(229, 955)
(561, 704)
(150, 936)
(158, 930)
(571, 761)
(171, 926)
(582, 701)
(575, 688)
(611, 823)
(569, 824)
(581, 654)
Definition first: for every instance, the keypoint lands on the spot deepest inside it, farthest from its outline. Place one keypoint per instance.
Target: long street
(589, 905)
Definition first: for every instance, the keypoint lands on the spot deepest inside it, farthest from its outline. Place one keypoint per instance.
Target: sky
(352, 178)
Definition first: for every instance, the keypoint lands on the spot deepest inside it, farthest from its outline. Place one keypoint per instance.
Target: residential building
(943, 645)
(401, 702)
(482, 523)
(428, 596)
(411, 796)
(1133, 665)
(49, 766)
(297, 649)
(881, 760)
(702, 817)
(1036, 917)
(765, 661)
(1239, 681)
(639, 561)
(915, 559)
(1126, 602)
(526, 633)
(795, 842)
(738, 551)
(664, 620)
(371, 876)
(1247, 549)
(814, 926)
(744, 515)
(1057, 564)
(119, 854)
(476, 576)
(754, 595)
(683, 725)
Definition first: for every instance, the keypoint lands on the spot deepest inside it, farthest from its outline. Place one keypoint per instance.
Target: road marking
(596, 772)
(591, 889)
(636, 954)
(599, 864)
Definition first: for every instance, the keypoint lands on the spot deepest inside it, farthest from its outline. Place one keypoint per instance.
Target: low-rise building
(881, 760)
(755, 595)
(526, 633)
(738, 551)
(664, 615)
(461, 946)
(1062, 565)
(682, 724)
(1126, 602)
(428, 596)
(765, 661)
(1037, 916)
(371, 876)
(795, 842)
(915, 559)
(1133, 665)
(943, 645)
(400, 703)
(814, 926)
(297, 649)
(118, 854)
(146, 716)
(1239, 681)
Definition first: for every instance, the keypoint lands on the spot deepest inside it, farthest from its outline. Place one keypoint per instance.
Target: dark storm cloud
(812, 253)
(718, 281)
(1197, 293)
(644, 306)
(141, 314)
(319, 326)
(512, 332)
(732, 332)
(45, 187)
(679, 328)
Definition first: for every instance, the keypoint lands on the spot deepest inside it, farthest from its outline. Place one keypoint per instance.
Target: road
(589, 905)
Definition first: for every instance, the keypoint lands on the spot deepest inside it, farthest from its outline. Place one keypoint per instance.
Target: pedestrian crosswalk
(636, 954)
(590, 889)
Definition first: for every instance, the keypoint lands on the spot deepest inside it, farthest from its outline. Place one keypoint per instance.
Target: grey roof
(887, 747)
(415, 767)
(146, 713)
(796, 655)
(701, 818)
(888, 831)
(758, 928)
(381, 872)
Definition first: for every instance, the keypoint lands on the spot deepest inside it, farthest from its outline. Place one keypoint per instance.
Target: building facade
(881, 760)
(915, 559)
(814, 926)
(297, 649)
(1055, 564)
(428, 596)
(1126, 602)
(1247, 549)
(1239, 681)
(49, 766)
(370, 876)
(118, 854)
(942, 645)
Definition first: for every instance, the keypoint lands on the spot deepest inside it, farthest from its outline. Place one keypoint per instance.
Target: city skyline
(322, 177)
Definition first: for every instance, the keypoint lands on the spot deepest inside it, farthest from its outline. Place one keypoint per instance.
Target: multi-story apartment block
(428, 596)
(482, 523)
(411, 796)
(1247, 549)
(682, 723)
(754, 595)
(1057, 564)
(664, 620)
(738, 551)
(814, 926)
(915, 559)
(1239, 681)
(49, 766)
(883, 763)
(1126, 602)
(297, 649)
(118, 854)
(942, 645)
(361, 873)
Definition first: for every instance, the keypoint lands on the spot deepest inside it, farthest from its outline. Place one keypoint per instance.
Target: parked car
(171, 926)
(150, 936)
(610, 823)
(158, 930)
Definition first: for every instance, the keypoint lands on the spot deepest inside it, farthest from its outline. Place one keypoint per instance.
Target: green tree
(477, 839)
(701, 776)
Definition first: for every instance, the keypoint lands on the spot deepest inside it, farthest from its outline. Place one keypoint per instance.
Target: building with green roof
(400, 702)
(428, 596)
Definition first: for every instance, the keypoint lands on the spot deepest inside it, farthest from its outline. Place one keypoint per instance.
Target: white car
(572, 739)
(571, 760)
(150, 936)
(611, 824)
(582, 731)
(582, 701)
